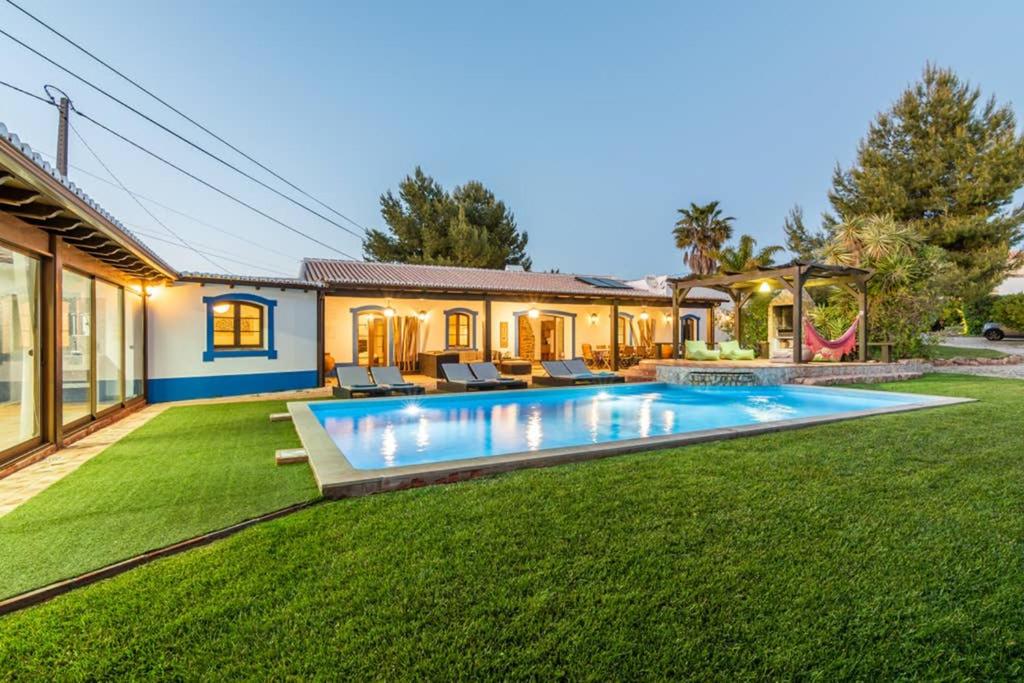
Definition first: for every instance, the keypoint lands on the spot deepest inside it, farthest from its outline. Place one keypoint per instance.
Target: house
(1014, 282)
(94, 324)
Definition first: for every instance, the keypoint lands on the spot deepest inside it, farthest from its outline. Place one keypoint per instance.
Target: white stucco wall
(177, 334)
(1014, 284)
(338, 322)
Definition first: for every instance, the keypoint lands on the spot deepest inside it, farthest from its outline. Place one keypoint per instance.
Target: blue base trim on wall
(184, 388)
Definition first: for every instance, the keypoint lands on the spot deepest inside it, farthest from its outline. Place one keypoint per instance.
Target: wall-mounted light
(389, 312)
(593, 318)
(533, 313)
(221, 308)
(422, 315)
(764, 288)
(644, 315)
(153, 291)
(667, 318)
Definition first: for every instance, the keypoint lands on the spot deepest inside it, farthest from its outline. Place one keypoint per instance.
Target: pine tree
(948, 163)
(426, 224)
(800, 241)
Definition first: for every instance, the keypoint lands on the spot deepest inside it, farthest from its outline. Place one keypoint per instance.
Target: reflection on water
(765, 409)
(403, 432)
(534, 429)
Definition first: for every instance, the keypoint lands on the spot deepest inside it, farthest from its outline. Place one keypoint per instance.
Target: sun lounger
(577, 367)
(488, 371)
(353, 380)
(458, 377)
(560, 376)
(392, 377)
(698, 350)
(730, 350)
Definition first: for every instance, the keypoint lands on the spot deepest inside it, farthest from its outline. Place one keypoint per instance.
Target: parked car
(997, 331)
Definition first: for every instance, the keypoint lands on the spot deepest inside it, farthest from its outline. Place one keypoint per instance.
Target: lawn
(883, 548)
(189, 470)
(938, 351)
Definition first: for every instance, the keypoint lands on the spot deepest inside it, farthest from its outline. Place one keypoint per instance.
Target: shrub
(1009, 310)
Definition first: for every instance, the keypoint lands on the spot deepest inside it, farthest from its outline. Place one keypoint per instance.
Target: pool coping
(337, 478)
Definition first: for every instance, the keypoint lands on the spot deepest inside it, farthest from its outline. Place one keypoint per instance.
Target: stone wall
(707, 375)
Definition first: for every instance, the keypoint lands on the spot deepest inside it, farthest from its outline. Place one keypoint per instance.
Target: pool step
(280, 417)
(857, 379)
(640, 373)
(288, 456)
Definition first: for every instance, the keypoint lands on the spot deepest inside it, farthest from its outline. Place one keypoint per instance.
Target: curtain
(407, 341)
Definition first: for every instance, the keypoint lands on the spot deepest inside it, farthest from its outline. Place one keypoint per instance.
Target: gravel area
(1004, 371)
(1014, 347)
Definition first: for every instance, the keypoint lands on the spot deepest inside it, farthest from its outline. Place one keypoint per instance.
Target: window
(134, 339)
(76, 346)
(19, 349)
(109, 340)
(459, 330)
(237, 325)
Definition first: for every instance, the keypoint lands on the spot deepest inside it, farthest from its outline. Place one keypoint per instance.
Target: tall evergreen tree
(805, 244)
(427, 225)
(700, 232)
(948, 163)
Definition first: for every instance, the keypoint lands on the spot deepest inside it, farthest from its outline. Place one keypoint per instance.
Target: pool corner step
(289, 456)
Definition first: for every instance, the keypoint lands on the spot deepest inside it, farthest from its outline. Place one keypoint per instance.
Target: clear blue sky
(593, 122)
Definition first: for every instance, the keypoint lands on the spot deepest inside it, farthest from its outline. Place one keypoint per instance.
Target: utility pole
(62, 136)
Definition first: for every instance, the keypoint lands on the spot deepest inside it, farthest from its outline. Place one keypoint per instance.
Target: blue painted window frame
(269, 351)
(545, 311)
(682, 325)
(472, 328)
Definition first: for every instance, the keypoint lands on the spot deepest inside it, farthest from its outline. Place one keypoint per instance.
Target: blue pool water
(393, 432)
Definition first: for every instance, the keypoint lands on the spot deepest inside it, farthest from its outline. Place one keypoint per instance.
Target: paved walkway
(1011, 346)
(23, 484)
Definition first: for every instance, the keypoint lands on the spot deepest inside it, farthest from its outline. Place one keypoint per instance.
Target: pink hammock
(831, 349)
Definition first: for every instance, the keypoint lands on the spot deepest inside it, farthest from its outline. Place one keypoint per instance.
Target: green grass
(883, 548)
(939, 351)
(189, 470)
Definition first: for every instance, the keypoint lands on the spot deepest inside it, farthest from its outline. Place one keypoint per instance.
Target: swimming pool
(445, 435)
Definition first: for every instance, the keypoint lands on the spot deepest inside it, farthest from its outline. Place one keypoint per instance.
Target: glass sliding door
(76, 346)
(109, 337)
(133, 344)
(19, 349)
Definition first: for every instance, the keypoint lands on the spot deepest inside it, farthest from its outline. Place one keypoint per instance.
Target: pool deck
(337, 478)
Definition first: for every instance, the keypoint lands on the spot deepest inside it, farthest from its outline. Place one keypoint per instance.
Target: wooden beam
(53, 343)
(710, 324)
(614, 346)
(487, 331)
(37, 211)
(798, 315)
(862, 333)
(15, 196)
(675, 320)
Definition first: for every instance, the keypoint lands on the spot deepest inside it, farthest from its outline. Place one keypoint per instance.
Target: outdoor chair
(354, 379)
(458, 377)
(730, 350)
(698, 350)
(579, 368)
(392, 377)
(488, 372)
(559, 375)
(590, 359)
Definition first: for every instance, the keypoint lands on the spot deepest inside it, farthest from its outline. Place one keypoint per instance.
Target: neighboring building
(93, 324)
(1013, 284)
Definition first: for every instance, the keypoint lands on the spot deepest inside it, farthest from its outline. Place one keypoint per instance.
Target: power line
(154, 202)
(211, 186)
(26, 92)
(180, 113)
(182, 138)
(151, 236)
(141, 205)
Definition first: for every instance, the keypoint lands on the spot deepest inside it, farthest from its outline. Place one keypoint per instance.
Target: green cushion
(731, 350)
(698, 350)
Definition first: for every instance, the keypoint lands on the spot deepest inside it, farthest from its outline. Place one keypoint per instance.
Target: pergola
(794, 277)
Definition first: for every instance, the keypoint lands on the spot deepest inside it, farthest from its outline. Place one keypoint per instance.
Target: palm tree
(700, 233)
(746, 256)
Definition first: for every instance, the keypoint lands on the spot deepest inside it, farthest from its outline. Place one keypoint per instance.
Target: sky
(593, 121)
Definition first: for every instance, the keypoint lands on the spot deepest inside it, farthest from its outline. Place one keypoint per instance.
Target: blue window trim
(370, 308)
(565, 314)
(682, 325)
(629, 328)
(270, 351)
(472, 328)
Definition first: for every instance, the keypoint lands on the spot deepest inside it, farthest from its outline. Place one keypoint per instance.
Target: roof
(38, 194)
(340, 274)
(251, 280)
(822, 272)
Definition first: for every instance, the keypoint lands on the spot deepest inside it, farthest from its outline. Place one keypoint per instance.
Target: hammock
(831, 349)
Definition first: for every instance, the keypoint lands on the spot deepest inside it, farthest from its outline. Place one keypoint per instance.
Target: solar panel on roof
(603, 282)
